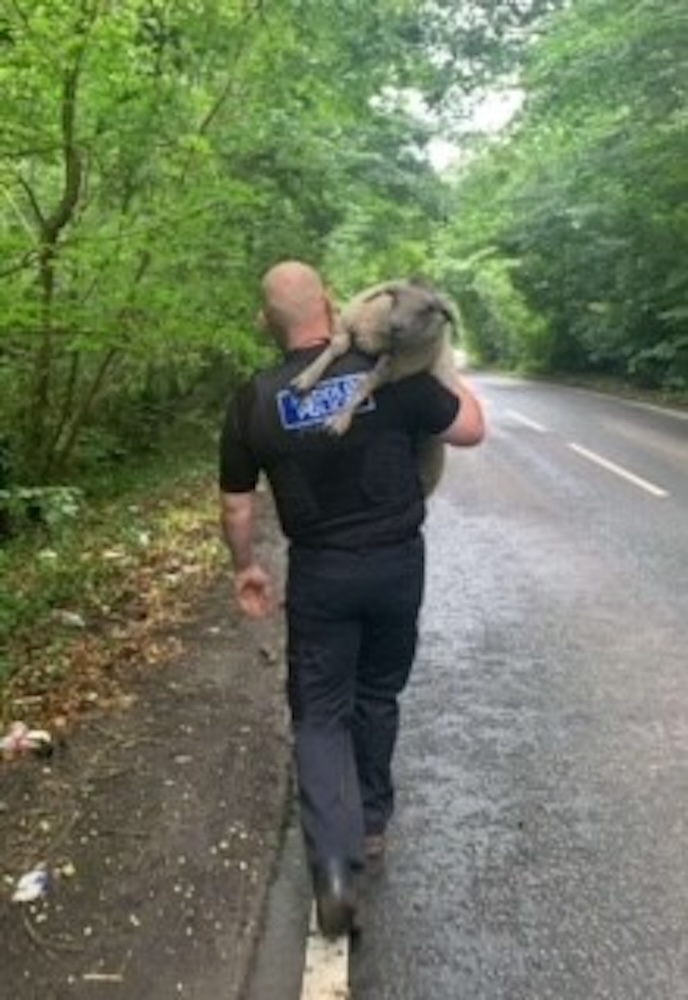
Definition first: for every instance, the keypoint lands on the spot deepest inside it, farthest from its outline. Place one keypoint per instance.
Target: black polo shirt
(352, 492)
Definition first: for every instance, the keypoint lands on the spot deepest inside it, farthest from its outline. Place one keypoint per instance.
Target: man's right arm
(236, 521)
(238, 477)
(253, 585)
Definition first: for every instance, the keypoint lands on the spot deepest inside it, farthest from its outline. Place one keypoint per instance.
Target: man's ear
(262, 321)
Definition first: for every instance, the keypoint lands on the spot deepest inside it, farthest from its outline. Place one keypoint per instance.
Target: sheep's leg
(430, 463)
(341, 422)
(310, 376)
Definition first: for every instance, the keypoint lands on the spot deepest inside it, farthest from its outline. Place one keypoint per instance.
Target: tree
(156, 156)
(588, 191)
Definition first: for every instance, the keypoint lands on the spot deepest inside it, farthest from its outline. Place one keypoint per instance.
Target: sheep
(407, 326)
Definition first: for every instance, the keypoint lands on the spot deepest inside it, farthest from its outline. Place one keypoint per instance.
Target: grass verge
(82, 605)
(675, 399)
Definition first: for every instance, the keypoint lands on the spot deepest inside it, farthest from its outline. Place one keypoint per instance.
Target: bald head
(296, 305)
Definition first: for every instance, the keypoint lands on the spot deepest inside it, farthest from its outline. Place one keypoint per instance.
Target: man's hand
(254, 591)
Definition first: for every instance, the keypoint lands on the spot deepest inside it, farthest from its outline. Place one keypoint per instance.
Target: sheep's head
(399, 316)
(418, 316)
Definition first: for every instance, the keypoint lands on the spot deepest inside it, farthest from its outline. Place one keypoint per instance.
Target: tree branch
(72, 156)
(251, 12)
(67, 401)
(28, 260)
(60, 455)
(70, 427)
(33, 200)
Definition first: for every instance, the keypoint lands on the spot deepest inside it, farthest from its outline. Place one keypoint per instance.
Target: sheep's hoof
(338, 424)
(303, 383)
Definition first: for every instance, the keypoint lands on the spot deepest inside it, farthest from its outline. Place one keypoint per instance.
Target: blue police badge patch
(322, 402)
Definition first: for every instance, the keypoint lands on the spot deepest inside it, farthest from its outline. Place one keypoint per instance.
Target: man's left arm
(468, 427)
(448, 409)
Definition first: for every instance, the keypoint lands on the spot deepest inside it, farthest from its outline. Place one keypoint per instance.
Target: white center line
(644, 484)
(326, 969)
(527, 421)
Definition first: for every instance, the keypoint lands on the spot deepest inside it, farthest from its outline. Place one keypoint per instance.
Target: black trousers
(352, 622)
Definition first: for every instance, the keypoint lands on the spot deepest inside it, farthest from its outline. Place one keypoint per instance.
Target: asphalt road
(540, 847)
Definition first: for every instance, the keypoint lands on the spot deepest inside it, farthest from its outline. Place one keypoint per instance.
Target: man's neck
(301, 340)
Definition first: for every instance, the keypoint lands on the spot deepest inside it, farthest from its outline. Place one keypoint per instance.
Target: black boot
(335, 897)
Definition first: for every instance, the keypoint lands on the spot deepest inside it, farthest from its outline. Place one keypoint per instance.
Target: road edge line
(326, 966)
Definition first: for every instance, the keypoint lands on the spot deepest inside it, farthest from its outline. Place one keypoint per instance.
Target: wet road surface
(540, 846)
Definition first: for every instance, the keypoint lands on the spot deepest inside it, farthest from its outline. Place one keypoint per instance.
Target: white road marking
(326, 969)
(103, 977)
(527, 421)
(630, 477)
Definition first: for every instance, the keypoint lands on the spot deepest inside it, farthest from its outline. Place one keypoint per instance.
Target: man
(352, 509)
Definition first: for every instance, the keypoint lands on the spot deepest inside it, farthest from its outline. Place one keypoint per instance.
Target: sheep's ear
(384, 288)
(451, 311)
(447, 307)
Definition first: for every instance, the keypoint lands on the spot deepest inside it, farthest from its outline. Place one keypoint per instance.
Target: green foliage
(52, 506)
(155, 157)
(589, 192)
(99, 599)
(510, 332)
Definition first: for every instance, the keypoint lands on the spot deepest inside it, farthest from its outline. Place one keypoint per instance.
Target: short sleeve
(239, 467)
(428, 405)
